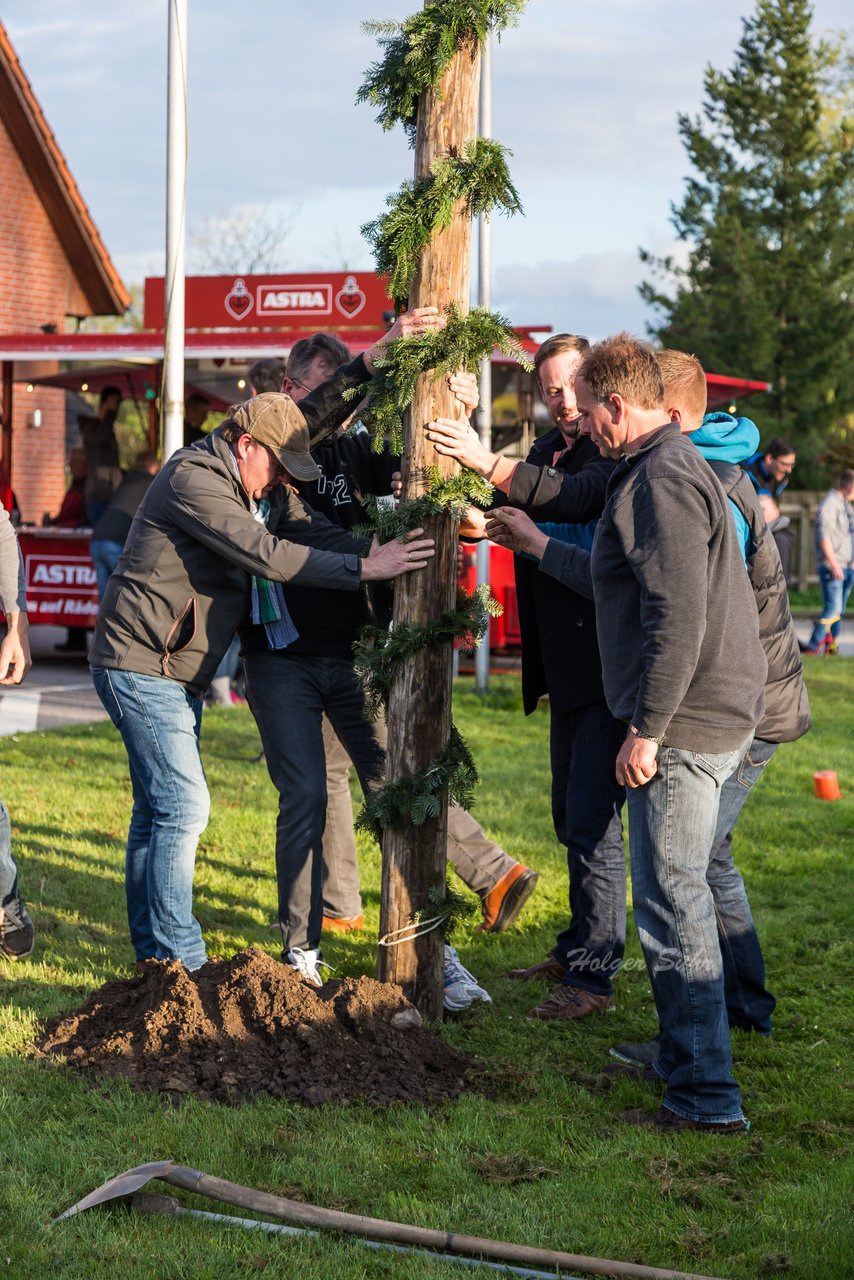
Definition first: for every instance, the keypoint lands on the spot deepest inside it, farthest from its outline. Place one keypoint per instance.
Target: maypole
(428, 80)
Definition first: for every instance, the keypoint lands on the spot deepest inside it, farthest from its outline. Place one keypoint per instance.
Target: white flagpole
(176, 226)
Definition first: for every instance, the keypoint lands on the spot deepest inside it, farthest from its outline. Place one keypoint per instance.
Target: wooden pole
(419, 714)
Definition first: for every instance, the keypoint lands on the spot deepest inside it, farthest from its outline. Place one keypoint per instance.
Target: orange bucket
(826, 785)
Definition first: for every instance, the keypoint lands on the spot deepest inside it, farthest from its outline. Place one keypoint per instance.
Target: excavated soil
(238, 1028)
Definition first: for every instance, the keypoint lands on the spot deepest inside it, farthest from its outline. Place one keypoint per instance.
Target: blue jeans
(159, 721)
(288, 695)
(104, 556)
(749, 1005)
(8, 870)
(586, 808)
(835, 592)
(672, 822)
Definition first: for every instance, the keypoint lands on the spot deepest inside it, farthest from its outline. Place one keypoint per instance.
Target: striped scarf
(268, 598)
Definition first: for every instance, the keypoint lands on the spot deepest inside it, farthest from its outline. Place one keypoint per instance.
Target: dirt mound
(250, 1025)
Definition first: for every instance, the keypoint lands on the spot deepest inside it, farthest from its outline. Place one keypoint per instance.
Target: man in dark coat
(560, 658)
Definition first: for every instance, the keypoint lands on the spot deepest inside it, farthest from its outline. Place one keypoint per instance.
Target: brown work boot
(343, 924)
(571, 1002)
(506, 899)
(667, 1121)
(550, 969)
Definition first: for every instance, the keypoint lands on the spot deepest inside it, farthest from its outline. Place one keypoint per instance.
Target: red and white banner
(341, 299)
(60, 578)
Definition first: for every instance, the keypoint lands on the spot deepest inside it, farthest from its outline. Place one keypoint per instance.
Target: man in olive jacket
(215, 518)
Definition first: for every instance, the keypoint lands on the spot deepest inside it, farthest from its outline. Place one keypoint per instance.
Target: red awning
(111, 356)
(723, 390)
(147, 345)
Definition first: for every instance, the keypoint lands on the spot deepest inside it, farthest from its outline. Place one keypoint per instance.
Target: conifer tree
(768, 289)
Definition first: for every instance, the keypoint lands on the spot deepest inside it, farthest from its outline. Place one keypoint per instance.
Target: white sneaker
(461, 987)
(305, 963)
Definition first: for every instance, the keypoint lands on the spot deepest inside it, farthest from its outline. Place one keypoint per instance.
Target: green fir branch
(380, 653)
(418, 51)
(454, 908)
(461, 345)
(419, 797)
(420, 209)
(444, 495)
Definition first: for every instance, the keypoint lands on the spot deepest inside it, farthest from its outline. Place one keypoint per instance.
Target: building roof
(54, 184)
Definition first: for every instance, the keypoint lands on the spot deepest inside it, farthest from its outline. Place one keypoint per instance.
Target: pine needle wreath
(450, 495)
(379, 653)
(418, 51)
(419, 797)
(478, 175)
(454, 908)
(462, 344)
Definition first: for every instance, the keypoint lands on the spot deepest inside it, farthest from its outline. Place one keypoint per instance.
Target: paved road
(58, 691)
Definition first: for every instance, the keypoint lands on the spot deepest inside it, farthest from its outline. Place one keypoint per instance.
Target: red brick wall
(37, 287)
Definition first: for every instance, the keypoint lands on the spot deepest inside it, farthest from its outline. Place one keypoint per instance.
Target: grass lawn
(543, 1158)
(809, 599)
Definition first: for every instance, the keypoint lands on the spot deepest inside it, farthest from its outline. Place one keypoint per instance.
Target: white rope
(420, 928)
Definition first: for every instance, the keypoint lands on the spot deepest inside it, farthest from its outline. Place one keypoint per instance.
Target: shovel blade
(120, 1187)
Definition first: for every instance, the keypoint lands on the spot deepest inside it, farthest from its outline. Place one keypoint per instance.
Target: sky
(586, 97)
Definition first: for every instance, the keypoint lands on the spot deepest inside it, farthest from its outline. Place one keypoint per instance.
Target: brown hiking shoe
(667, 1121)
(571, 1002)
(506, 899)
(551, 969)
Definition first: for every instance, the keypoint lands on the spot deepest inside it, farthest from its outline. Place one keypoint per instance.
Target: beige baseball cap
(275, 421)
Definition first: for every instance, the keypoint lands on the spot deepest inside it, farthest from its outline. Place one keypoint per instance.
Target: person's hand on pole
(400, 556)
(511, 528)
(473, 524)
(459, 440)
(637, 762)
(410, 324)
(464, 388)
(15, 659)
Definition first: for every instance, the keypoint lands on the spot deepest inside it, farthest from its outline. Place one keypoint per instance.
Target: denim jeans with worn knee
(587, 804)
(8, 870)
(749, 1004)
(159, 721)
(672, 821)
(835, 592)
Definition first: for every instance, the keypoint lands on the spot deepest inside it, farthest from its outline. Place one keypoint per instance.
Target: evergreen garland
(448, 494)
(478, 175)
(462, 344)
(418, 51)
(453, 907)
(380, 653)
(419, 797)
(416, 54)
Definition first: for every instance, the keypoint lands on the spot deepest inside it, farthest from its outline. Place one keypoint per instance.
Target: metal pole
(176, 226)
(484, 292)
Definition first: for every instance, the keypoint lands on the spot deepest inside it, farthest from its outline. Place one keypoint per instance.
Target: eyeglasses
(279, 468)
(303, 386)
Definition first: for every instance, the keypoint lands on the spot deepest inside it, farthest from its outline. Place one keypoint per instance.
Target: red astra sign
(312, 301)
(60, 578)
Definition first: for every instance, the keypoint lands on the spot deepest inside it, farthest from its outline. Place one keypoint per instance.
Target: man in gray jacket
(214, 535)
(684, 668)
